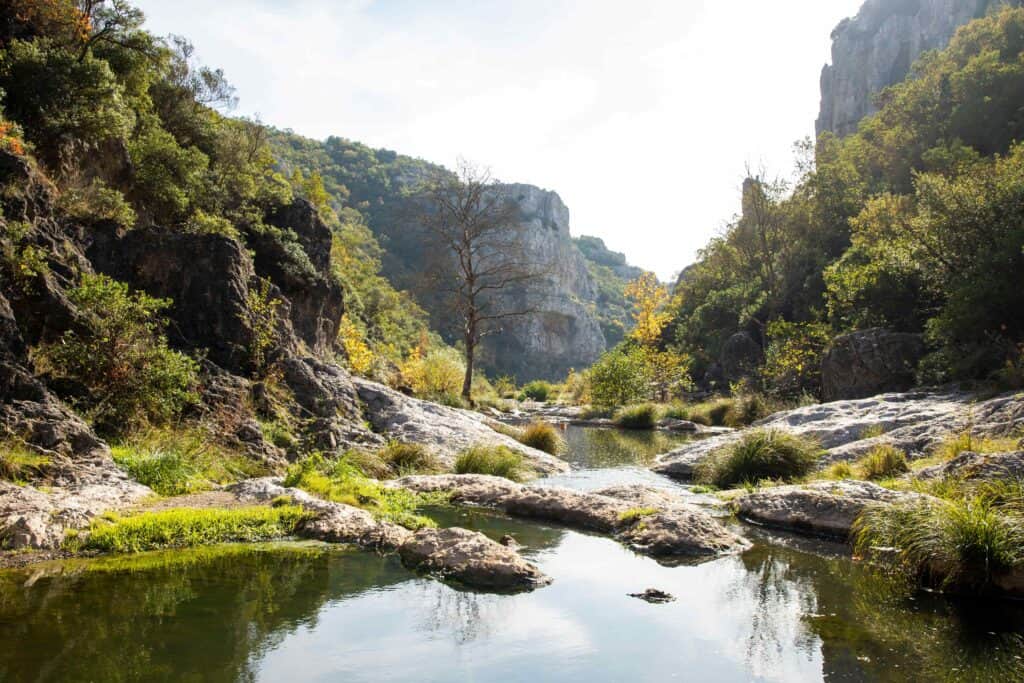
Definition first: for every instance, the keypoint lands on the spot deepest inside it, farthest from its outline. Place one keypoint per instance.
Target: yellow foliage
(649, 298)
(434, 373)
(360, 357)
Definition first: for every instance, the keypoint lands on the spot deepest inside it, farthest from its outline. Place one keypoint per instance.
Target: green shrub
(122, 357)
(643, 416)
(539, 391)
(882, 462)
(341, 482)
(408, 458)
(186, 527)
(542, 436)
(961, 543)
(176, 461)
(620, 377)
(759, 455)
(499, 461)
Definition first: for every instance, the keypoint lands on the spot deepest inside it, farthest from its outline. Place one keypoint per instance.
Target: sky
(642, 115)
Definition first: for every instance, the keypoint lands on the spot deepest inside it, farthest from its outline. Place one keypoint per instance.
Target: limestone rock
(470, 558)
(681, 531)
(978, 466)
(869, 362)
(821, 508)
(876, 49)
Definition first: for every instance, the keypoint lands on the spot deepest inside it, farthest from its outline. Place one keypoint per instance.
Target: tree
(648, 297)
(475, 243)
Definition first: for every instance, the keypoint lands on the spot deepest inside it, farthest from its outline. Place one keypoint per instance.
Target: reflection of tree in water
(207, 614)
(462, 615)
(592, 448)
(778, 598)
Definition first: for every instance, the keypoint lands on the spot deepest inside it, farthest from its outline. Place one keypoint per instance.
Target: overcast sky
(642, 115)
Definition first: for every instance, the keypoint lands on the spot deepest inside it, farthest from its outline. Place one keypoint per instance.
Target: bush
(961, 543)
(186, 527)
(408, 458)
(122, 357)
(499, 461)
(643, 416)
(542, 436)
(882, 462)
(759, 455)
(620, 377)
(437, 375)
(539, 391)
(174, 462)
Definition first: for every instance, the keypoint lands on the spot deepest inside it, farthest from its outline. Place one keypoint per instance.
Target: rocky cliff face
(562, 333)
(876, 49)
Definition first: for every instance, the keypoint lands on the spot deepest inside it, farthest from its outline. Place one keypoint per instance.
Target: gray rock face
(913, 422)
(445, 430)
(741, 357)
(821, 508)
(669, 529)
(561, 333)
(876, 49)
(870, 362)
(978, 466)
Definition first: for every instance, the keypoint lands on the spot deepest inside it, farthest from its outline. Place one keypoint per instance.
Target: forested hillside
(915, 223)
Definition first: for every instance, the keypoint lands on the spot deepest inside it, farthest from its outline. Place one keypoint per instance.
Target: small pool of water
(786, 610)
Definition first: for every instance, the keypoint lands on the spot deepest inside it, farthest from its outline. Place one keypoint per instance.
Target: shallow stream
(786, 610)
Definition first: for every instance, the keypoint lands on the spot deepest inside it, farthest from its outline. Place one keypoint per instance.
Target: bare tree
(475, 238)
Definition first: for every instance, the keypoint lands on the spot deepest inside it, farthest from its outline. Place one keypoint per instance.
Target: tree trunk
(467, 382)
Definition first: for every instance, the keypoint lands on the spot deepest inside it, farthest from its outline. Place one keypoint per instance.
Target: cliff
(877, 48)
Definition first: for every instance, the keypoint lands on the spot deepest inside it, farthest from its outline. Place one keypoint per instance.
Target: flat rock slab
(470, 558)
(912, 421)
(456, 554)
(445, 430)
(820, 509)
(646, 519)
(978, 466)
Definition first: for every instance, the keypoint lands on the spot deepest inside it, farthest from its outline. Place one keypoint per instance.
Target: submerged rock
(821, 508)
(651, 522)
(654, 596)
(470, 558)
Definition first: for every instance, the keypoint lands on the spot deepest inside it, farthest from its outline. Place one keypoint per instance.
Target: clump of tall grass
(963, 543)
(496, 460)
(341, 481)
(641, 416)
(543, 436)
(18, 462)
(882, 462)
(966, 441)
(763, 454)
(408, 458)
(176, 461)
(186, 527)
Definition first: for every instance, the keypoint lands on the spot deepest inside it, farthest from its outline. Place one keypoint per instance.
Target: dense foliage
(915, 223)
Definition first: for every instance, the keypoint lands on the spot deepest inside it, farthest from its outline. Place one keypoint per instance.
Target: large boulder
(741, 357)
(869, 362)
(822, 508)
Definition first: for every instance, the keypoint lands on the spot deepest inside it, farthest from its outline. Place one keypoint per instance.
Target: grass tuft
(882, 462)
(759, 455)
(495, 460)
(185, 528)
(634, 514)
(18, 462)
(542, 436)
(408, 458)
(642, 416)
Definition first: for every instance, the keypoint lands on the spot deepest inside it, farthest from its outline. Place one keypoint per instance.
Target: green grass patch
(496, 460)
(408, 458)
(963, 543)
(185, 528)
(760, 455)
(19, 463)
(174, 462)
(642, 416)
(341, 482)
(967, 442)
(634, 514)
(882, 462)
(543, 436)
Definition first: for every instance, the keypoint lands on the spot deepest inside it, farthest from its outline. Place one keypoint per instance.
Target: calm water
(783, 611)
